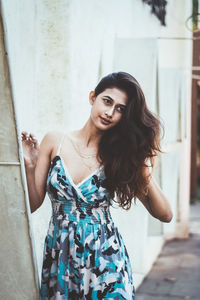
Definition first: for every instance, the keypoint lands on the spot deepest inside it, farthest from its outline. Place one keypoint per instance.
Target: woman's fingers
(30, 139)
(24, 132)
(24, 135)
(32, 136)
(27, 136)
(34, 140)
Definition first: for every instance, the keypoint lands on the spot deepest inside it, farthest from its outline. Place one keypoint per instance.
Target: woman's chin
(104, 127)
(101, 126)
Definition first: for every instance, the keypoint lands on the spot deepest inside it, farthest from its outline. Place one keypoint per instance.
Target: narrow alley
(176, 273)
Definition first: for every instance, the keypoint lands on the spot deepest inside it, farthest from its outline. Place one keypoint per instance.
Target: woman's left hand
(147, 170)
(156, 202)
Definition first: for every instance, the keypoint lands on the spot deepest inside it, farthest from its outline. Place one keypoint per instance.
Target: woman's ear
(92, 97)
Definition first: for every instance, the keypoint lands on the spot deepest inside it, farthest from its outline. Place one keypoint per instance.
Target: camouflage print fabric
(84, 255)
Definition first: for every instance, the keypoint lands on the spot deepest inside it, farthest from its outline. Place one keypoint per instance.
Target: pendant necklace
(83, 156)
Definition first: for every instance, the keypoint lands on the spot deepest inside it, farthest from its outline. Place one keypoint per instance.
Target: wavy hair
(125, 148)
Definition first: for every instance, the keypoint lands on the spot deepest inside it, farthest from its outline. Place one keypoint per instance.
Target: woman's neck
(89, 135)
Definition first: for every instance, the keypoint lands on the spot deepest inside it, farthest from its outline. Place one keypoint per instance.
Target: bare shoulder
(56, 135)
(52, 136)
(51, 141)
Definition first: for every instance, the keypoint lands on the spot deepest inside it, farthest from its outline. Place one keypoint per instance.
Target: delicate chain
(89, 167)
(82, 155)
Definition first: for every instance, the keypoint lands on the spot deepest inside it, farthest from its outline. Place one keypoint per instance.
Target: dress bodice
(89, 200)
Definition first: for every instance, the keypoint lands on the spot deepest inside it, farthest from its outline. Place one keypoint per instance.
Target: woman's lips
(105, 121)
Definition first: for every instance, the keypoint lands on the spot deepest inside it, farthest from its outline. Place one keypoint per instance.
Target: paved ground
(176, 273)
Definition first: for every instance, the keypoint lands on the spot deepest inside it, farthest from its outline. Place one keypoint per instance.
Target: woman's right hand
(30, 149)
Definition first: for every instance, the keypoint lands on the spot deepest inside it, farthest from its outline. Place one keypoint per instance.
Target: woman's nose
(110, 111)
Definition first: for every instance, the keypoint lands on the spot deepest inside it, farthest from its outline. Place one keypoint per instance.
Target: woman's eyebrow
(113, 100)
(108, 97)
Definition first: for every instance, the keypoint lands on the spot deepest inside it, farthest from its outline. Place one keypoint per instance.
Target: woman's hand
(30, 149)
(156, 202)
(146, 172)
(147, 169)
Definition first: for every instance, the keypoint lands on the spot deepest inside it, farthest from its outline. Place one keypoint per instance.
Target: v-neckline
(78, 185)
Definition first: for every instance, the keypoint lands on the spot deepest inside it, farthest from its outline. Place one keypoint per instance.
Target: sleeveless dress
(84, 255)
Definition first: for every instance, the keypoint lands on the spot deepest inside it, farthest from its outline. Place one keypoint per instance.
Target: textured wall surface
(17, 277)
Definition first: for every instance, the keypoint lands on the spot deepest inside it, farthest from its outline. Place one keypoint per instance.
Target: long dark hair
(124, 148)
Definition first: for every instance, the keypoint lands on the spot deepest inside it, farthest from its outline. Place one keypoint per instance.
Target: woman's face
(108, 107)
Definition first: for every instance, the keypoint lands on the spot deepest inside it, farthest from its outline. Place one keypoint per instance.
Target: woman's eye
(120, 109)
(107, 101)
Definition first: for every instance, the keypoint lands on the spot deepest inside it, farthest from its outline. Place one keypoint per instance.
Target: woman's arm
(37, 161)
(34, 198)
(156, 202)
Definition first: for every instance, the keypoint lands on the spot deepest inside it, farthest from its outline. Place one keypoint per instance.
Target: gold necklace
(80, 153)
(83, 156)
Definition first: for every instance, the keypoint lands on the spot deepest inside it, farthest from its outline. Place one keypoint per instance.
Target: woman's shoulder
(54, 137)
(56, 134)
(53, 134)
(51, 141)
(50, 138)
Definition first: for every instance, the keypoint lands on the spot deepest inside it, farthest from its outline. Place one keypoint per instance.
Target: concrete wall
(19, 274)
(58, 51)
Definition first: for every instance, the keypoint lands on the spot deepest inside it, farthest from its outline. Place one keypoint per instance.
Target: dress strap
(59, 147)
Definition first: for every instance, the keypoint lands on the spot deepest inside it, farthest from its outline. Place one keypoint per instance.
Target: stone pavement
(176, 273)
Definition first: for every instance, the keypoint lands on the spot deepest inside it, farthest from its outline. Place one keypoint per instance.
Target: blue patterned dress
(84, 255)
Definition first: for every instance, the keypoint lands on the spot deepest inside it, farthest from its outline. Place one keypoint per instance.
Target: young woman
(84, 172)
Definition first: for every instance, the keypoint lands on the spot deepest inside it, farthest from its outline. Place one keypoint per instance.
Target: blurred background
(52, 54)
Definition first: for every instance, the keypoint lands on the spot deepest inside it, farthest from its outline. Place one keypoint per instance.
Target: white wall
(58, 51)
